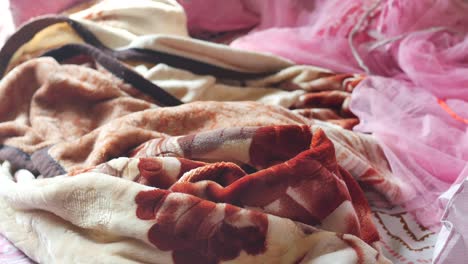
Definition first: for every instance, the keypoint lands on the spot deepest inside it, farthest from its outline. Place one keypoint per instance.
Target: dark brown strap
(197, 67)
(118, 69)
(39, 162)
(17, 158)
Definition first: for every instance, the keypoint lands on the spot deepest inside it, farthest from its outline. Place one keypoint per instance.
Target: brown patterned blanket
(104, 162)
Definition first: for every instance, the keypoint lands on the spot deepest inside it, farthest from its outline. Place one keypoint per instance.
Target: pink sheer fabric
(423, 143)
(437, 62)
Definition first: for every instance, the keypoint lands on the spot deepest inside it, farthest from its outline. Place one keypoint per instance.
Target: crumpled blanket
(99, 117)
(82, 118)
(154, 225)
(311, 92)
(229, 169)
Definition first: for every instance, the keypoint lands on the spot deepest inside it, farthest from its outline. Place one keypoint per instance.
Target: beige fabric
(66, 219)
(190, 87)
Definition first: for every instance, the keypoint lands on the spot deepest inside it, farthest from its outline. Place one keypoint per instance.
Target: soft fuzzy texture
(242, 172)
(75, 116)
(104, 117)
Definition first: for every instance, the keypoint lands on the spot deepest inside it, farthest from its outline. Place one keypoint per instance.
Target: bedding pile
(131, 133)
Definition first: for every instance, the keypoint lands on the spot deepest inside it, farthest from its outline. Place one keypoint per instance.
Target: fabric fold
(187, 224)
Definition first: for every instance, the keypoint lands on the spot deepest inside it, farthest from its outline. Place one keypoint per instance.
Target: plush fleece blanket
(197, 183)
(104, 162)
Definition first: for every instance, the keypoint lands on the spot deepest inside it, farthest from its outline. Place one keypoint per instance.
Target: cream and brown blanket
(122, 146)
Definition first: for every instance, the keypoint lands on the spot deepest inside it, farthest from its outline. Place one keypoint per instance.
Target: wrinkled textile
(16, 12)
(402, 236)
(144, 226)
(104, 118)
(267, 189)
(418, 44)
(93, 111)
(412, 128)
(230, 169)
